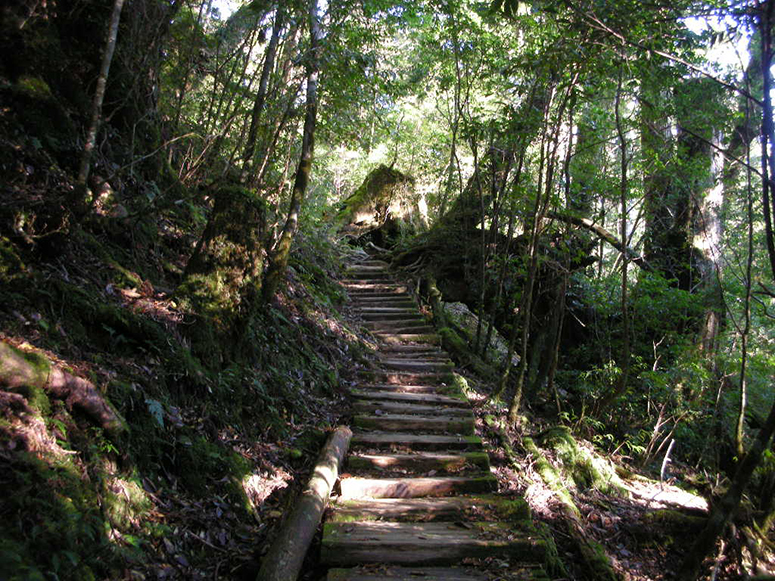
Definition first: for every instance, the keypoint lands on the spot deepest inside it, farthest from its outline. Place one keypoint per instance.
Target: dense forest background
(579, 192)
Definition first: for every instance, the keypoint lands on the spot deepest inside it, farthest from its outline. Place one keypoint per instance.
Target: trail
(417, 498)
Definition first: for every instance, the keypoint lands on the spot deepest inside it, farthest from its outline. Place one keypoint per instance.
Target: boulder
(385, 205)
(461, 317)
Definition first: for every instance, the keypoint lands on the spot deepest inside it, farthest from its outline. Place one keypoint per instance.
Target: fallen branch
(286, 555)
(19, 369)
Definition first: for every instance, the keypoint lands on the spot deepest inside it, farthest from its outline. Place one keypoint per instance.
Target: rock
(461, 317)
(384, 204)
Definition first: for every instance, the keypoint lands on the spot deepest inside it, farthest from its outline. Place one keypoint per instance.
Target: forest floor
(645, 533)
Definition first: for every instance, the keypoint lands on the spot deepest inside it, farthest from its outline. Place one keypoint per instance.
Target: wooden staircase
(417, 498)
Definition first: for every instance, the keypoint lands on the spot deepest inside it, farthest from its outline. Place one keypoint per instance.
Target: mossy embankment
(219, 425)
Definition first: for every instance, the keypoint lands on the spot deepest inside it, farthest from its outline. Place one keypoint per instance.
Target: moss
(34, 87)
(126, 502)
(676, 520)
(550, 476)
(583, 467)
(457, 346)
(53, 526)
(458, 387)
(552, 562)
(11, 265)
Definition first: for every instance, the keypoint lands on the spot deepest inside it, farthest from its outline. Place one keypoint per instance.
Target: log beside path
(417, 499)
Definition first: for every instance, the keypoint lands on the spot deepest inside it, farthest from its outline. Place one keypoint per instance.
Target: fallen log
(286, 555)
(595, 559)
(19, 369)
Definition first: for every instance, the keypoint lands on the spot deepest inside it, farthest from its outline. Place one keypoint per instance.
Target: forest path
(417, 497)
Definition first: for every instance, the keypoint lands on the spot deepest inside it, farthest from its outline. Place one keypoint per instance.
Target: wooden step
(421, 463)
(391, 323)
(398, 338)
(355, 487)
(418, 364)
(424, 543)
(367, 288)
(401, 441)
(367, 267)
(379, 407)
(410, 349)
(405, 422)
(386, 310)
(406, 377)
(395, 388)
(399, 303)
(456, 508)
(418, 398)
(407, 574)
(430, 353)
(387, 327)
(410, 315)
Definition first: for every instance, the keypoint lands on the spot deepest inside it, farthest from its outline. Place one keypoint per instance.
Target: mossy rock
(581, 466)
(41, 111)
(384, 202)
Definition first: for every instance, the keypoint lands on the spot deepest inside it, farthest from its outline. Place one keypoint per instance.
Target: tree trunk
(258, 105)
(279, 260)
(726, 507)
(621, 385)
(99, 96)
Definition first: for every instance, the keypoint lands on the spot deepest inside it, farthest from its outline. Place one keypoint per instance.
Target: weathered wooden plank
(407, 574)
(423, 543)
(457, 508)
(398, 338)
(398, 388)
(405, 422)
(407, 378)
(418, 364)
(397, 440)
(354, 487)
(409, 397)
(402, 316)
(415, 325)
(422, 462)
(366, 406)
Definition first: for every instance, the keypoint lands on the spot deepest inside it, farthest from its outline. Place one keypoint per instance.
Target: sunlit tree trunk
(258, 104)
(726, 507)
(624, 363)
(279, 260)
(99, 96)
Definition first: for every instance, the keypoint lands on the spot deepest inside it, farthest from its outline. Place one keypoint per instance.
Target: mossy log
(20, 369)
(286, 555)
(595, 559)
(586, 470)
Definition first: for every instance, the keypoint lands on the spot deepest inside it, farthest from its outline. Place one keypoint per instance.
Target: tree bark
(279, 259)
(258, 104)
(99, 96)
(726, 507)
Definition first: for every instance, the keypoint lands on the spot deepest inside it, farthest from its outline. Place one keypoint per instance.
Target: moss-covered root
(586, 469)
(20, 370)
(594, 556)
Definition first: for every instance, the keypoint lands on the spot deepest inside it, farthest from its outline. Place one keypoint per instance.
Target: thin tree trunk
(99, 96)
(621, 385)
(279, 259)
(258, 105)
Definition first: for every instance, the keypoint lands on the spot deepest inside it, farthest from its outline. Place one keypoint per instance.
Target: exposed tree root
(19, 369)
(596, 561)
